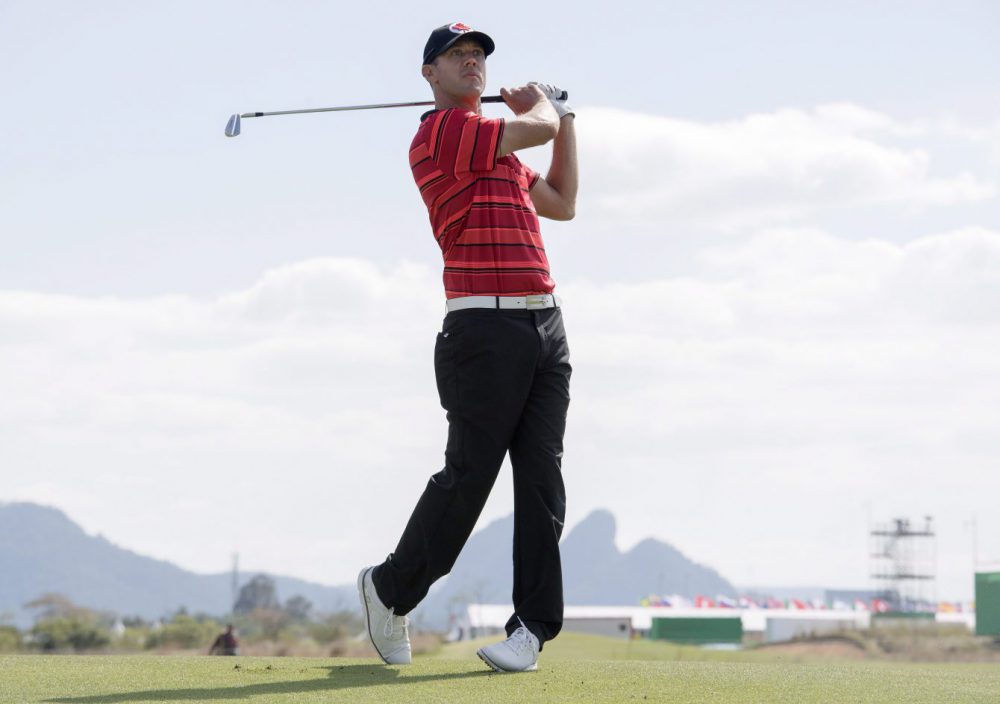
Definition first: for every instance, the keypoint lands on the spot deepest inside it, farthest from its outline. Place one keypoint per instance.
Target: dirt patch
(839, 648)
(926, 644)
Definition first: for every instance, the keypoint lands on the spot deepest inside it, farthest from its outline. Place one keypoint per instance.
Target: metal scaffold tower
(904, 558)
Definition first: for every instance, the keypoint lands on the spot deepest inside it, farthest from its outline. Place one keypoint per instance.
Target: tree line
(260, 618)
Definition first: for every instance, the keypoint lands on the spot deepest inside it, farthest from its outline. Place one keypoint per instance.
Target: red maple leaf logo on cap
(460, 28)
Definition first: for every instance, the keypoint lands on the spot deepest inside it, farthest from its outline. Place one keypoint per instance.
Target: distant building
(988, 603)
(759, 624)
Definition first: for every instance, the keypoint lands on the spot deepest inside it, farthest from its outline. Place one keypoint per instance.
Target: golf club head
(233, 126)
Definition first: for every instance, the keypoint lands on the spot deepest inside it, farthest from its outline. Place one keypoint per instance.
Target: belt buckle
(536, 301)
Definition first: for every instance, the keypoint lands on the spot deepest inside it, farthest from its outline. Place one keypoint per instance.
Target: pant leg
(484, 361)
(539, 495)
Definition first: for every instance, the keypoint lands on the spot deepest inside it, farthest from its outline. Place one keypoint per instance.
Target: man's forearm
(563, 172)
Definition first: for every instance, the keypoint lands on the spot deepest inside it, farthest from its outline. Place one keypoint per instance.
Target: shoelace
(389, 627)
(521, 640)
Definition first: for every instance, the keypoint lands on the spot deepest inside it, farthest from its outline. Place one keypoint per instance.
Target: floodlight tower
(903, 563)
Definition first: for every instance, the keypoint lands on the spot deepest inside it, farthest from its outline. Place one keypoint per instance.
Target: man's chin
(473, 86)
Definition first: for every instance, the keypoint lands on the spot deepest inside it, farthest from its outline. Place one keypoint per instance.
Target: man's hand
(552, 93)
(535, 121)
(523, 98)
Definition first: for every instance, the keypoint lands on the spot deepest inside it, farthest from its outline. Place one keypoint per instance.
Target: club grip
(498, 99)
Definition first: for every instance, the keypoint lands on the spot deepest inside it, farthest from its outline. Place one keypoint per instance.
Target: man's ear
(426, 71)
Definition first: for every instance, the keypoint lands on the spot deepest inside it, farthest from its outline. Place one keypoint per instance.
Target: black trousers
(503, 377)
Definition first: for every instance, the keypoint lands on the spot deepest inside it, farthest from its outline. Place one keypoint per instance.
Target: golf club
(233, 126)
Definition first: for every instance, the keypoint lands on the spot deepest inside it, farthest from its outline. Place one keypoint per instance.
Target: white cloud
(765, 168)
(951, 127)
(791, 366)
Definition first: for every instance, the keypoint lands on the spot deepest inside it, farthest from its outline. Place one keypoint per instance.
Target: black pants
(503, 377)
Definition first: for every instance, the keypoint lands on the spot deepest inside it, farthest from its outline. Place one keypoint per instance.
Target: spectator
(226, 643)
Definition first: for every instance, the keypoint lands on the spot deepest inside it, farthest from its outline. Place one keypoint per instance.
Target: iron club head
(233, 126)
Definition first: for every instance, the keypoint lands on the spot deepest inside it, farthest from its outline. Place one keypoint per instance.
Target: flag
(680, 602)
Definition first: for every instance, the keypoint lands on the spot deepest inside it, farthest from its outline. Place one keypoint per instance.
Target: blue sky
(798, 202)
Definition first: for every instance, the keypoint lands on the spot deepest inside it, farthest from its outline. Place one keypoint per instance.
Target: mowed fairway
(573, 669)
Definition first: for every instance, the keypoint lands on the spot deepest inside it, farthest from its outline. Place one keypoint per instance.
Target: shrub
(132, 640)
(335, 627)
(68, 633)
(10, 639)
(184, 632)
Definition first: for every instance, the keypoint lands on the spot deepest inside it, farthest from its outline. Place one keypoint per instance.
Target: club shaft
(485, 99)
(423, 103)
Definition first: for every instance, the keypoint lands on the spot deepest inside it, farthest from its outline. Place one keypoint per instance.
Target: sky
(781, 289)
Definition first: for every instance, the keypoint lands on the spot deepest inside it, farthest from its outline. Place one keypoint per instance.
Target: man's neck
(447, 102)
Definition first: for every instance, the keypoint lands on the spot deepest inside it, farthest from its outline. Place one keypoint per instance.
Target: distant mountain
(41, 550)
(595, 572)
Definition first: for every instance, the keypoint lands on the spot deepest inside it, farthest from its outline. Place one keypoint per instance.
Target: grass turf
(572, 669)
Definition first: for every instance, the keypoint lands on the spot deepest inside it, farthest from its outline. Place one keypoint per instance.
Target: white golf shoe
(519, 653)
(387, 632)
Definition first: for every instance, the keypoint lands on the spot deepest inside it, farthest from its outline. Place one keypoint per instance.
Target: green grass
(572, 669)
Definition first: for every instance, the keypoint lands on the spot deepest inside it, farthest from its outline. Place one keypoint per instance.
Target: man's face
(459, 71)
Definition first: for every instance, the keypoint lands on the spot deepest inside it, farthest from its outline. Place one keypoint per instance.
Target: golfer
(501, 359)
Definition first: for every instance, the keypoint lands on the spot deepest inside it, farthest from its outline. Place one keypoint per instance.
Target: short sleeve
(529, 175)
(461, 142)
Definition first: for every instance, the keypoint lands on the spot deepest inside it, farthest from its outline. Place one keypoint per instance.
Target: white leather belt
(536, 302)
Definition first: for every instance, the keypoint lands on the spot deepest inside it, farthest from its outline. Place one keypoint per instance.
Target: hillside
(595, 571)
(42, 550)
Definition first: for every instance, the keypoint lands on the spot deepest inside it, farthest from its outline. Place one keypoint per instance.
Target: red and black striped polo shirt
(479, 207)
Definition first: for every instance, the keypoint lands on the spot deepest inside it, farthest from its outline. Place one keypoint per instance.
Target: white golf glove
(552, 93)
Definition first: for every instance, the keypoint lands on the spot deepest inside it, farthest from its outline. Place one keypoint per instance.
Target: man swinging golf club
(501, 359)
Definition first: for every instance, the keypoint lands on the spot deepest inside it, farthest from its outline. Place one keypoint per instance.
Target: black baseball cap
(444, 36)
